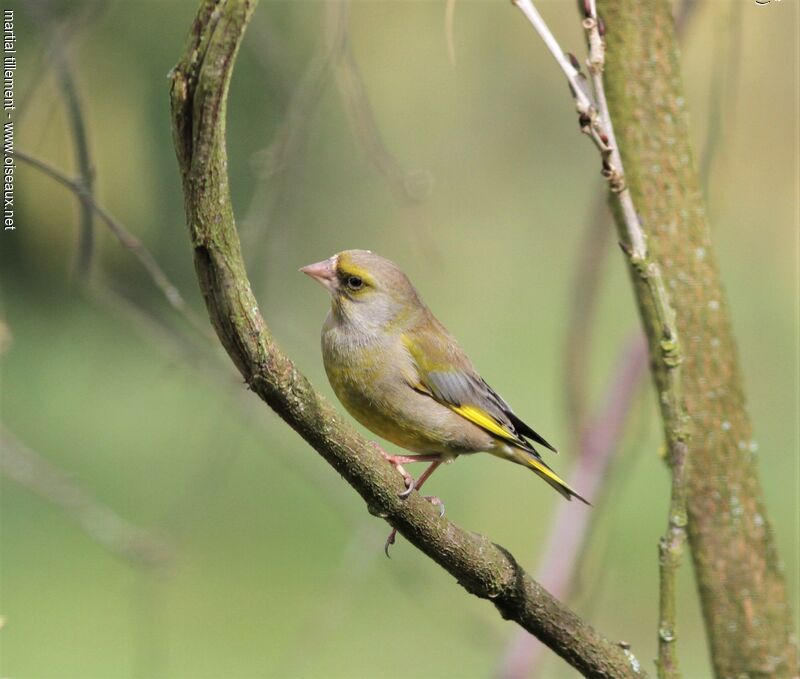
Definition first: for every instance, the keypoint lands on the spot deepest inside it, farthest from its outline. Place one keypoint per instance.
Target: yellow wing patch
(484, 421)
(474, 415)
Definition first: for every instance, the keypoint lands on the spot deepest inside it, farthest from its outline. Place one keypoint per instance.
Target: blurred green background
(482, 189)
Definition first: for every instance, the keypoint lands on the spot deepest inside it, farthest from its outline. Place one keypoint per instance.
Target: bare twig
(593, 118)
(587, 284)
(83, 156)
(125, 237)
(198, 96)
(599, 443)
(596, 122)
(69, 90)
(101, 523)
(583, 103)
(40, 10)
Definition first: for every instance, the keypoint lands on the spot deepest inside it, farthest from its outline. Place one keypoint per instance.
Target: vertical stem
(742, 589)
(670, 554)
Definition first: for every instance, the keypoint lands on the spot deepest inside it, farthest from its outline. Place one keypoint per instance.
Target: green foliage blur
(475, 179)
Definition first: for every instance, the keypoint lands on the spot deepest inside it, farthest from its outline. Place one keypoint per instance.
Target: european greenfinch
(401, 374)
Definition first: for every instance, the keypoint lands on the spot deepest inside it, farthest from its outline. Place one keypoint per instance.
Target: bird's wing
(445, 373)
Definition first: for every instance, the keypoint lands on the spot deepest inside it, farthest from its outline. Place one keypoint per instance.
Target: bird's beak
(323, 272)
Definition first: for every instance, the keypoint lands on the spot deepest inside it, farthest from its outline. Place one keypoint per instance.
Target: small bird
(401, 374)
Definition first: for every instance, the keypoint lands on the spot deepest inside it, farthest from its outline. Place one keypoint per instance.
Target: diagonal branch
(198, 96)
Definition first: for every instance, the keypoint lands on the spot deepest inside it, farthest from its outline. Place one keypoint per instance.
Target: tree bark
(198, 97)
(741, 586)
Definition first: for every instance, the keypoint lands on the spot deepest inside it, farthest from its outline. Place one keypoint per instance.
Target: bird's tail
(534, 462)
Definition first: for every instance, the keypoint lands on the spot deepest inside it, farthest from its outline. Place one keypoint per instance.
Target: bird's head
(366, 289)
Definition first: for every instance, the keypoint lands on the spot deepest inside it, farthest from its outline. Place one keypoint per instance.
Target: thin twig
(69, 90)
(671, 544)
(101, 523)
(74, 108)
(594, 119)
(596, 122)
(83, 261)
(613, 172)
(126, 238)
(586, 286)
(582, 101)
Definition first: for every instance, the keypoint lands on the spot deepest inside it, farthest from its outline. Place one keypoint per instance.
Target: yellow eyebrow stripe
(487, 422)
(347, 268)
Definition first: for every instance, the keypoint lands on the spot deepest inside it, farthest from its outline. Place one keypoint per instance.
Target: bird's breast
(367, 375)
(372, 377)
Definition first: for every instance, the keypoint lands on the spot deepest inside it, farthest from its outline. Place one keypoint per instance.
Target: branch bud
(574, 61)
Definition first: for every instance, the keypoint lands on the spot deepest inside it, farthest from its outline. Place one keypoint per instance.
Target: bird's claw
(389, 542)
(407, 478)
(410, 484)
(435, 501)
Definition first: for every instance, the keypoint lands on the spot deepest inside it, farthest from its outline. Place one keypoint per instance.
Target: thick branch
(742, 589)
(199, 91)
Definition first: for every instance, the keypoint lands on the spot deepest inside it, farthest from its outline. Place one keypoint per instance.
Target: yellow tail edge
(543, 471)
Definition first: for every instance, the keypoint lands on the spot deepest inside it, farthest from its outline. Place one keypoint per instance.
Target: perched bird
(397, 370)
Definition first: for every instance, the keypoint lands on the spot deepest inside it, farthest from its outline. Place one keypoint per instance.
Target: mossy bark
(198, 97)
(742, 589)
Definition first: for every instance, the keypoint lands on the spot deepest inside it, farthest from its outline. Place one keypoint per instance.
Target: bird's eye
(355, 282)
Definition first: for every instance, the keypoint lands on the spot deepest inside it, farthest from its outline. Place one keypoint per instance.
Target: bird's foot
(396, 462)
(435, 501)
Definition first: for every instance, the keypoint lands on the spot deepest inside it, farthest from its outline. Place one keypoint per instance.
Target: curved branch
(198, 96)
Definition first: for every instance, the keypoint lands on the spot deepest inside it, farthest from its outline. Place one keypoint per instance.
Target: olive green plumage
(399, 372)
